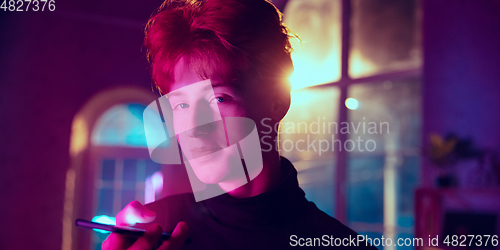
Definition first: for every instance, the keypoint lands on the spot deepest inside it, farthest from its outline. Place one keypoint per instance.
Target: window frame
(79, 194)
(389, 228)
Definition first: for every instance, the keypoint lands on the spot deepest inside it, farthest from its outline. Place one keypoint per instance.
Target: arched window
(123, 172)
(110, 164)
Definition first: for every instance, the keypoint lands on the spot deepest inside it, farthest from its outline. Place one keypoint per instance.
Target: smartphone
(128, 231)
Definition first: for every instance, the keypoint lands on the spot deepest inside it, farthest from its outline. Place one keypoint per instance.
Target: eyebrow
(176, 93)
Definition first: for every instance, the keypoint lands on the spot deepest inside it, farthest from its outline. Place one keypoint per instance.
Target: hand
(134, 213)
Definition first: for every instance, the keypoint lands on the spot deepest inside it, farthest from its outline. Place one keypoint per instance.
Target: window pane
(365, 189)
(105, 206)
(383, 153)
(310, 119)
(317, 58)
(387, 116)
(129, 170)
(108, 170)
(307, 132)
(385, 36)
(127, 196)
(151, 168)
(317, 181)
(123, 125)
(408, 176)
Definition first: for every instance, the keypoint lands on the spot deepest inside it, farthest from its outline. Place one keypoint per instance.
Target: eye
(220, 99)
(182, 106)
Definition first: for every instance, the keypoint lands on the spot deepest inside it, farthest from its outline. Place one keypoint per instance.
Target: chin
(224, 166)
(209, 172)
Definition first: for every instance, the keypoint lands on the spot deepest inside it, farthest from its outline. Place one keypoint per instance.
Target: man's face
(208, 141)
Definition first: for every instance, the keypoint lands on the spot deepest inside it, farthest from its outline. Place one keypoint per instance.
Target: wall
(51, 63)
(461, 85)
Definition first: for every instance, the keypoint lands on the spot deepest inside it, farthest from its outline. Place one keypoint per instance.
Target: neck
(268, 178)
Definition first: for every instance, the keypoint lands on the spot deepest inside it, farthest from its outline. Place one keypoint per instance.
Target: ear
(280, 105)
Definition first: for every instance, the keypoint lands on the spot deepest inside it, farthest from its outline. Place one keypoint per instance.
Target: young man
(223, 65)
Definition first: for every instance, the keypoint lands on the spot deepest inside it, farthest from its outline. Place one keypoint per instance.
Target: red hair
(234, 39)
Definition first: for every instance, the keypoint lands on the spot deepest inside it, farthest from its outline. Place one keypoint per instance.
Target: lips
(202, 151)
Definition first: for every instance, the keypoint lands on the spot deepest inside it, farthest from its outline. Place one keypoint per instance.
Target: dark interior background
(51, 63)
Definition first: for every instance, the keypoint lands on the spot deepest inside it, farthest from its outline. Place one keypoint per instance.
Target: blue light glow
(123, 125)
(104, 220)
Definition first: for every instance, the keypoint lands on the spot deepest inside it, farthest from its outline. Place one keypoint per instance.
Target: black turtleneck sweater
(277, 219)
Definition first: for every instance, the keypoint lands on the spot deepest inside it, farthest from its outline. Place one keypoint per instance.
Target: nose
(201, 119)
(201, 130)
